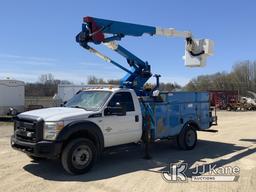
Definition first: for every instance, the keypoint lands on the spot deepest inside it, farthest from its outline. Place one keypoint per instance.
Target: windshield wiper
(79, 107)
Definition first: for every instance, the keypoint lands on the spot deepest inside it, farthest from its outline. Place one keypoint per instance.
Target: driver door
(121, 129)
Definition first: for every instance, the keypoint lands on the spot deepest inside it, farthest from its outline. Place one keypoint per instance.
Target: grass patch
(5, 116)
(6, 123)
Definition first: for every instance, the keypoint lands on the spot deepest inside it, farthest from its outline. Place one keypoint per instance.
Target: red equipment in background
(222, 99)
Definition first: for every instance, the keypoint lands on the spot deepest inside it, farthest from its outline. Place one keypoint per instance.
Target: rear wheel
(78, 156)
(187, 138)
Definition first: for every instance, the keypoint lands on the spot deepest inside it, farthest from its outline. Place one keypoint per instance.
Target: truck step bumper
(45, 149)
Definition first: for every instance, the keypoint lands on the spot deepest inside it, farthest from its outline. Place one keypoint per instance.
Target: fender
(78, 128)
(191, 122)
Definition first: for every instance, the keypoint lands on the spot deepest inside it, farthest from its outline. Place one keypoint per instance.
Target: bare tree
(47, 86)
(241, 78)
(46, 78)
(94, 80)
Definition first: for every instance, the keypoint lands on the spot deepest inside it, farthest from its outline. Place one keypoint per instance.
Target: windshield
(89, 100)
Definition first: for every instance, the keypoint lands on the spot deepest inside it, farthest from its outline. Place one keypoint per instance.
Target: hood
(56, 113)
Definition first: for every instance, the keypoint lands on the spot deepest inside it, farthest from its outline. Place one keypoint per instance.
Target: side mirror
(117, 110)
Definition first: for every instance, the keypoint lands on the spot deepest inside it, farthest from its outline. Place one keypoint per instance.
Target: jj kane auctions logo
(201, 173)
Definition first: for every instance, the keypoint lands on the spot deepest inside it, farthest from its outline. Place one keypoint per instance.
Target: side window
(125, 100)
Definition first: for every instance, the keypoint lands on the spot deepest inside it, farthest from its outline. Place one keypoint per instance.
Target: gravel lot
(233, 145)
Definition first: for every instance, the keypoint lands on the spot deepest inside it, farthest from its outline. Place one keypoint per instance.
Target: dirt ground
(233, 145)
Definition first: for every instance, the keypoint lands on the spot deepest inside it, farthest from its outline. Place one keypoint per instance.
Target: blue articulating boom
(107, 32)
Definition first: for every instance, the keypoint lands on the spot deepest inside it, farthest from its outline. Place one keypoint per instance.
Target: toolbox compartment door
(203, 115)
(167, 120)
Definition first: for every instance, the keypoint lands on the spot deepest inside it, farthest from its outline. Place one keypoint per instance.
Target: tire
(187, 138)
(36, 159)
(78, 156)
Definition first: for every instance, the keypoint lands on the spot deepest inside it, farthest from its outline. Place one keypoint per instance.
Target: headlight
(51, 129)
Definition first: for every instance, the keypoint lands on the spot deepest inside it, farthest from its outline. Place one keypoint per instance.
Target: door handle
(137, 119)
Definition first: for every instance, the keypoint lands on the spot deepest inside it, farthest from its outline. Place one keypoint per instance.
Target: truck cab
(104, 116)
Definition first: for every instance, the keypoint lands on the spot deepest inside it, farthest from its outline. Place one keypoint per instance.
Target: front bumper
(45, 149)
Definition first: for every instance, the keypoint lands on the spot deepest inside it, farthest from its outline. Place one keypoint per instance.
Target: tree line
(46, 86)
(241, 78)
(162, 86)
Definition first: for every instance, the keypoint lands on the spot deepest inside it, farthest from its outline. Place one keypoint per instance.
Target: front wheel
(78, 156)
(187, 138)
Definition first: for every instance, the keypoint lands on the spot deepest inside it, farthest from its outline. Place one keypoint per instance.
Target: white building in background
(12, 94)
